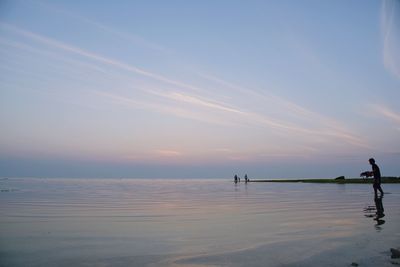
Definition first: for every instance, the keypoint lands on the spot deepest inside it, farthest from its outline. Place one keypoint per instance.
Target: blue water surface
(194, 222)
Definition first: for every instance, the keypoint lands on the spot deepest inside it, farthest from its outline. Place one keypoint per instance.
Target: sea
(195, 223)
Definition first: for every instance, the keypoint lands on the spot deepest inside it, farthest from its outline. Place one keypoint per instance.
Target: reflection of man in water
(377, 177)
(379, 208)
(379, 211)
(376, 213)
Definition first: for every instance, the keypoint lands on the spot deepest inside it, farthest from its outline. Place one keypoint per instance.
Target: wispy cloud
(387, 113)
(85, 53)
(48, 54)
(199, 101)
(132, 38)
(168, 153)
(232, 118)
(163, 108)
(190, 95)
(390, 24)
(175, 95)
(332, 128)
(270, 99)
(327, 126)
(222, 150)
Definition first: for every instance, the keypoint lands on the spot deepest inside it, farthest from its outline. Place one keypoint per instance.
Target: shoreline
(384, 180)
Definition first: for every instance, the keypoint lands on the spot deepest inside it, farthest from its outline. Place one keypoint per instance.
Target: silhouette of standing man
(377, 177)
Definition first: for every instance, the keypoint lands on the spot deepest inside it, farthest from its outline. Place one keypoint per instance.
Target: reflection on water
(127, 222)
(376, 212)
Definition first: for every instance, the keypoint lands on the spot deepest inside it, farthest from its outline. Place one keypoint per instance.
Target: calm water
(133, 222)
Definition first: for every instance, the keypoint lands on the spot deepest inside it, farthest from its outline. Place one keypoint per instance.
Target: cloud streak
(198, 101)
(94, 56)
(388, 113)
(163, 109)
(390, 25)
(168, 153)
(132, 38)
(233, 115)
(330, 127)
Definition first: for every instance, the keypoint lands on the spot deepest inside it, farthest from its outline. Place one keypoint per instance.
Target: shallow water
(137, 222)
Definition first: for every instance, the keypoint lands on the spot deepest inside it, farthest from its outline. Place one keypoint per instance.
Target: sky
(199, 89)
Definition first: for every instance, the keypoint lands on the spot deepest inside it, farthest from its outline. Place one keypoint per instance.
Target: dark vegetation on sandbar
(384, 180)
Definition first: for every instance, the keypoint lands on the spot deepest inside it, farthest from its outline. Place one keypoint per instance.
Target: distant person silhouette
(235, 179)
(246, 179)
(377, 177)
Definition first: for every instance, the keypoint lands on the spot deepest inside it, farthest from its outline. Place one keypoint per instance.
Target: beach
(194, 222)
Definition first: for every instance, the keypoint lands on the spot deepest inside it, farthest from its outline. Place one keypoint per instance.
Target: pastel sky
(199, 89)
